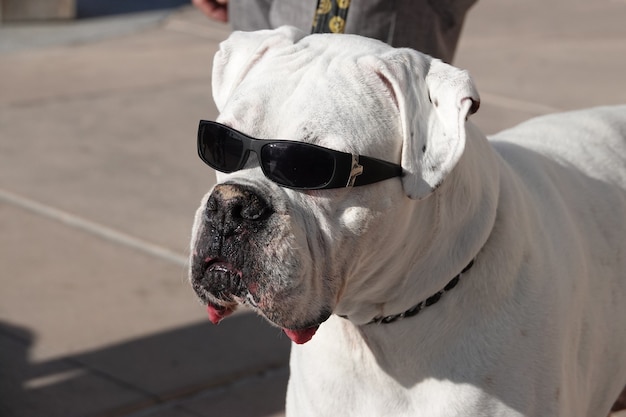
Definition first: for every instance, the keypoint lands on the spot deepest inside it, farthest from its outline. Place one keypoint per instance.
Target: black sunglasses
(291, 164)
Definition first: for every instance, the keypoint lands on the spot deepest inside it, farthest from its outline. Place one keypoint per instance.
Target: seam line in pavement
(516, 104)
(92, 228)
(212, 390)
(57, 99)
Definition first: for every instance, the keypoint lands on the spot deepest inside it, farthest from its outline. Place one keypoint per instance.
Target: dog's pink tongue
(216, 314)
(301, 336)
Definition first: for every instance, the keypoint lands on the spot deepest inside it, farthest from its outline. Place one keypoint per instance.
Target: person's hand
(215, 9)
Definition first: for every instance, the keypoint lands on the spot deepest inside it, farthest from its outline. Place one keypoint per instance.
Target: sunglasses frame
(350, 170)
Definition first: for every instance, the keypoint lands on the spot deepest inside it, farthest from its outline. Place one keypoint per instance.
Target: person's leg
(429, 26)
(298, 13)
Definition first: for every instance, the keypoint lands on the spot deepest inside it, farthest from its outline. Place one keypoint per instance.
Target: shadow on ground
(189, 370)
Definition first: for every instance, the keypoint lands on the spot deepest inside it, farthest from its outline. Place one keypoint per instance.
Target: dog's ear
(434, 100)
(240, 52)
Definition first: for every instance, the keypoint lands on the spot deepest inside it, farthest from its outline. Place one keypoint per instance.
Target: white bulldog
(512, 250)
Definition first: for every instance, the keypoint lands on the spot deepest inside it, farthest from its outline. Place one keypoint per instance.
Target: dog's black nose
(232, 204)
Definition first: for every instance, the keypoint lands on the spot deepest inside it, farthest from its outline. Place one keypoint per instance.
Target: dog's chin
(301, 336)
(299, 333)
(223, 288)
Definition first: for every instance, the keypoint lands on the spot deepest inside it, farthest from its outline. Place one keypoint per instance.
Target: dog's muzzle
(239, 241)
(234, 215)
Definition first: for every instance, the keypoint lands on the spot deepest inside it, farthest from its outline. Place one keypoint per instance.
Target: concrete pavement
(99, 180)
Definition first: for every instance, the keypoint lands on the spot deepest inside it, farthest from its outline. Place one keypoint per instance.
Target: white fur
(535, 328)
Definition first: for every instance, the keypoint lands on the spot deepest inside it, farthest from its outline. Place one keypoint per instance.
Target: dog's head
(298, 255)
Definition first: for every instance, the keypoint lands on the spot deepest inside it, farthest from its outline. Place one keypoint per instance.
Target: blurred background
(99, 181)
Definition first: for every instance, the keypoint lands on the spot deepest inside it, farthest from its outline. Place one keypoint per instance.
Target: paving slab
(536, 20)
(263, 396)
(193, 358)
(78, 292)
(533, 58)
(135, 170)
(59, 388)
(149, 59)
(107, 130)
(23, 36)
(86, 318)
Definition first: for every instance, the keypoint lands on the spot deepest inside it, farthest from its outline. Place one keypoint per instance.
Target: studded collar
(423, 304)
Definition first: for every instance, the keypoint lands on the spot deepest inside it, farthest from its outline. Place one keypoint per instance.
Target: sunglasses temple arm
(374, 170)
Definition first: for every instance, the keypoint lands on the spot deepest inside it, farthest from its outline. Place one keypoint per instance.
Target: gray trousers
(429, 26)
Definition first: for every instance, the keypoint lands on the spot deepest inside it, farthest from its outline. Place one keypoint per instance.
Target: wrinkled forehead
(316, 91)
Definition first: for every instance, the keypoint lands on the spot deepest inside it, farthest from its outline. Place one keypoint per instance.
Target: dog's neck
(433, 299)
(452, 225)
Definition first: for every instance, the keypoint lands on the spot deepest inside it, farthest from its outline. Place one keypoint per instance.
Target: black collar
(420, 306)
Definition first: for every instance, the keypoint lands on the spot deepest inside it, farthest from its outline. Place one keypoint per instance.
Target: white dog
(449, 275)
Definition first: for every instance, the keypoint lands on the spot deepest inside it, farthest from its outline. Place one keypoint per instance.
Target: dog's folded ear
(240, 52)
(434, 100)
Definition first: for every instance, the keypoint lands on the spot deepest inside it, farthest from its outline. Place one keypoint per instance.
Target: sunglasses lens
(297, 165)
(220, 148)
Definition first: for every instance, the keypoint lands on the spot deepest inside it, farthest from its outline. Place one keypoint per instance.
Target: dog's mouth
(222, 287)
(217, 279)
(299, 336)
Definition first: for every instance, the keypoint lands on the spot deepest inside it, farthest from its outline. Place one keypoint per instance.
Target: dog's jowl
(420, 268)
